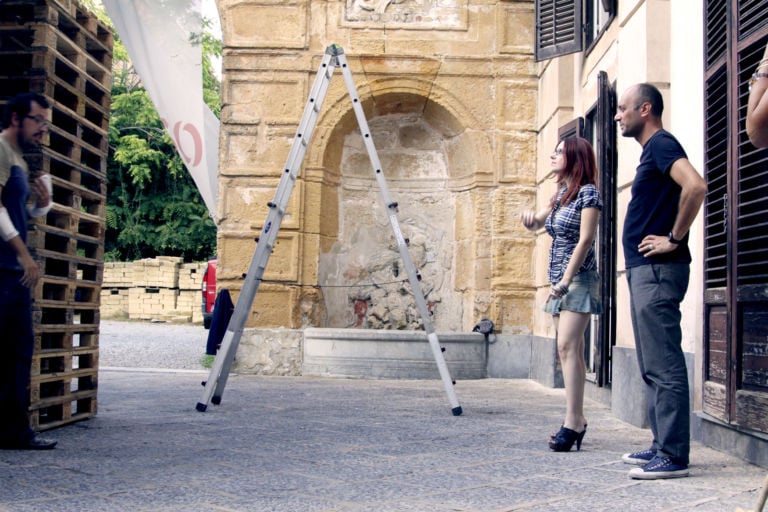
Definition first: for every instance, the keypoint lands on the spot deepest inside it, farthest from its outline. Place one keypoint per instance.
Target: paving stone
(340, 445)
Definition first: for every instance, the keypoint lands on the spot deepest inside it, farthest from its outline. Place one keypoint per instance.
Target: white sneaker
(659, 467)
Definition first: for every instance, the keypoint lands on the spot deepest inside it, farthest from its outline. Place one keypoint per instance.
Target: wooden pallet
(58, 49)
(62, 398)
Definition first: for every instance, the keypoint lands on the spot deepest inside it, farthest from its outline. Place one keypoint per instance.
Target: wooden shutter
(717, 240)
(736, 226)
(558, 28)
(606, 160)
(573, 128)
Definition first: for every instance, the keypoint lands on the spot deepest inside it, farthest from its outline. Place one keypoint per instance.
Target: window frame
(590, 40)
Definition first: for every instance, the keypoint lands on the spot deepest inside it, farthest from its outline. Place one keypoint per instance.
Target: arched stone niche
(428, 159)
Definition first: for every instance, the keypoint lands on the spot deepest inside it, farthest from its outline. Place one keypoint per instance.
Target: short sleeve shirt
(655, 201)
(14, 179)
(564, 226)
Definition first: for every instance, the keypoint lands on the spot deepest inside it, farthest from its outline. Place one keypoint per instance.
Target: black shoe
(565, 438)
(35, 443)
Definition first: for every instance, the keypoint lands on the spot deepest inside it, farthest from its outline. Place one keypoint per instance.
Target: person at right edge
(757, 108)
(24, 123)
(667, 193)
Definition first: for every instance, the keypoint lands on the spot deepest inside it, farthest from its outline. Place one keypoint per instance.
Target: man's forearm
(690, 204)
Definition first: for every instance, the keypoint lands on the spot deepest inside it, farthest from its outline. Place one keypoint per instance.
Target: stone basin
(389, 354)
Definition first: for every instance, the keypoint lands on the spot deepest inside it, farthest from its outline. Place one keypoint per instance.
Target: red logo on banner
(197, 142)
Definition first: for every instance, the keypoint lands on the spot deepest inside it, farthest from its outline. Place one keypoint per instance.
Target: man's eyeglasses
(39, 120)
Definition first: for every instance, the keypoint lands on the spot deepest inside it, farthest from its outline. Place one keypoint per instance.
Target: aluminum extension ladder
(334, 57)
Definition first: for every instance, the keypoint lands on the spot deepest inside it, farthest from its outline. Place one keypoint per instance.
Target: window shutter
(716, 165)
(558, 28)
(716, 30)
(573, 128)
(605, 147)
(752, 263)
(751, 16)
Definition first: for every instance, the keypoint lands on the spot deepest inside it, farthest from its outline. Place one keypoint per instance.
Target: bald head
(647, 93)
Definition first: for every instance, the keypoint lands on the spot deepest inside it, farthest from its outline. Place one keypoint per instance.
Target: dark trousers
(17, 345)
(655, 294)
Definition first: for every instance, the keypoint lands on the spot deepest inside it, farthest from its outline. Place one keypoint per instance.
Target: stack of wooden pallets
(61, 50)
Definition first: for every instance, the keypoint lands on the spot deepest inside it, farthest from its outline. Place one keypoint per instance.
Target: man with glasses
(667, 193)
(24, 124)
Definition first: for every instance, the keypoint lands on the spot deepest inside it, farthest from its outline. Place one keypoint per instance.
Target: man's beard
(28, 145)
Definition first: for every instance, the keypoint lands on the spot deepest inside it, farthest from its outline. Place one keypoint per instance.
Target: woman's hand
(558, 290)
(528, 218)
(534, 220)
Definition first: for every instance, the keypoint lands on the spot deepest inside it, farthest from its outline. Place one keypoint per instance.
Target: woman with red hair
(571, 218)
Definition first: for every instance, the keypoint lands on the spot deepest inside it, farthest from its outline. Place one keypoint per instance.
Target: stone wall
(449, 90)
(162, 288)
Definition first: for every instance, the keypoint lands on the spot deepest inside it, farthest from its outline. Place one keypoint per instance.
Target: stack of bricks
(118, 278)
(155, 288)
(162, 288)
(61, 50)
(190, 290)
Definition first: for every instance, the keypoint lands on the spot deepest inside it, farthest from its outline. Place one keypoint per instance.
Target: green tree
(153, 205)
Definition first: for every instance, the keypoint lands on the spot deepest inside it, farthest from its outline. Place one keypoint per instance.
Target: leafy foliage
(153, 205)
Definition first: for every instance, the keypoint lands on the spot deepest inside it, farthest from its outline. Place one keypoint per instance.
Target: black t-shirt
(655, 201)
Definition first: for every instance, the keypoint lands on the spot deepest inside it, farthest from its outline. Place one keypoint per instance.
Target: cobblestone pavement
(314, 444)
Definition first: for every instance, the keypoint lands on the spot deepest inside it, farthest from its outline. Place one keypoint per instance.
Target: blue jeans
(656, 291)
(17, 344)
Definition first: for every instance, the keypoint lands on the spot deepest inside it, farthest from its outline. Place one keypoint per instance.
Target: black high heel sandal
(565, 438)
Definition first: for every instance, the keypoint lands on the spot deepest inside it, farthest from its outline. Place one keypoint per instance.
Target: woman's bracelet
(755, 77)
(560, 289)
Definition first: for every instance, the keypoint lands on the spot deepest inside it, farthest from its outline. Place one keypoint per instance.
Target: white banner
(159, 36)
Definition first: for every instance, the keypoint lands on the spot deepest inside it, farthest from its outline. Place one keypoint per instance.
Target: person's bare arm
(694, 189)
(757, 108)
(535, 220)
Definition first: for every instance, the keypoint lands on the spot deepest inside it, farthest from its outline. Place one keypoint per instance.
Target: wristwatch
(673, 240)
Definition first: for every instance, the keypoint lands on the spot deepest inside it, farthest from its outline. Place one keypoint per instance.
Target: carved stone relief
(412, 14)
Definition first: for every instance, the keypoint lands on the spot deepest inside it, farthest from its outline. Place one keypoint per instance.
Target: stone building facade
(449, 88)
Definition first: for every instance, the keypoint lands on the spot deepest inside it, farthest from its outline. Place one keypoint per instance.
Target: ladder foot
(201, 407)
(456, 411)
(216, 400)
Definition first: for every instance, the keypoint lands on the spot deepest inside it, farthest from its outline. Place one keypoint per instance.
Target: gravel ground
(138, 344)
